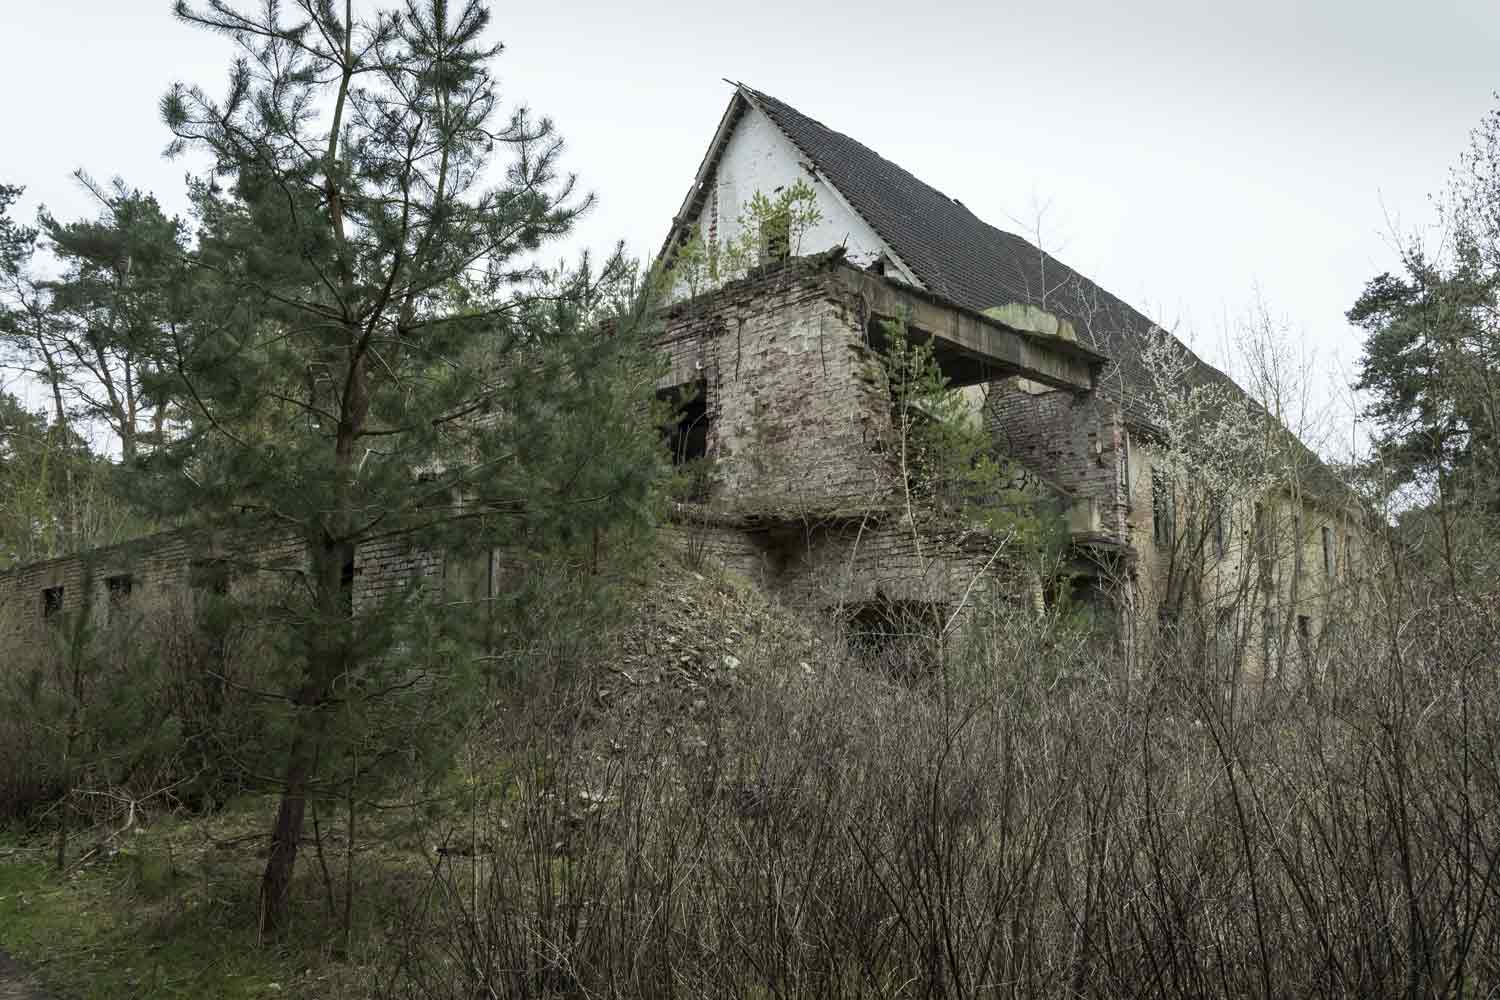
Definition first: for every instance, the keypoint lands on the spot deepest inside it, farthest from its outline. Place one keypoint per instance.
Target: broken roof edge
(706, 167)
(833, 261)
(129, 552)
(811, 263)
(1061, 345)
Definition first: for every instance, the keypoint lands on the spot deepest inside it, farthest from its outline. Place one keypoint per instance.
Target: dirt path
(15, 983)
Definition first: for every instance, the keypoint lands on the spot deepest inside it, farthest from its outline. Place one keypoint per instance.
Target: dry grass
(728, 805)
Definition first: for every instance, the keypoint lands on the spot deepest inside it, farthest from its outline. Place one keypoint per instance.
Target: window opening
(211, 575)
(896, 637)
(346, 583)
(119, 588)
(52, 602)
(1163, 508)
(687, 430)
(1297, 544)
(1226, 636)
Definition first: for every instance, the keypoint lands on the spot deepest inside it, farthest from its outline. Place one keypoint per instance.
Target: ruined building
(770, 367)
(1056, 366)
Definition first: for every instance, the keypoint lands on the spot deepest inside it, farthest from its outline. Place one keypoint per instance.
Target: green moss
(172, 913)
(97, 935)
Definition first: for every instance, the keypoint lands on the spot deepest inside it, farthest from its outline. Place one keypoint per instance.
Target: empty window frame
(210, 576)
(1226, 636)
(899, 638)
(686, 432)
(1271, 636)
(52, 602)
(1220, 514)
(1297, 543)
(119, 588)
(1163, 508)
(346, 583)
(1329, 555)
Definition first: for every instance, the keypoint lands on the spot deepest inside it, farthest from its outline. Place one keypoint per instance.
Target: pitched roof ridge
(963, 259)
(907, 174)
(944, 272)
(762, 95)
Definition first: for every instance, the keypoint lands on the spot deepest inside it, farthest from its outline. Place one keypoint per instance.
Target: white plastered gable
(757, 156)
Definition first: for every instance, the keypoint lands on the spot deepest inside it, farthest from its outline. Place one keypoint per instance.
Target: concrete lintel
(976, 347)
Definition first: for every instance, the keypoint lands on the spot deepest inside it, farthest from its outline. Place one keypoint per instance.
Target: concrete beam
(970, 346)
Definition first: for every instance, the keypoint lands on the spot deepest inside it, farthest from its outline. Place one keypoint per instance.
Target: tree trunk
(326, 661)
(287, 831)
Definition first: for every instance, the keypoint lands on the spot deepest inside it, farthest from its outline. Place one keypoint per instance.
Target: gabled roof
(957, 256)
(952, 252)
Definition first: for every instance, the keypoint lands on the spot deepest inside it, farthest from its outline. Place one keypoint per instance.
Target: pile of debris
(696, 633)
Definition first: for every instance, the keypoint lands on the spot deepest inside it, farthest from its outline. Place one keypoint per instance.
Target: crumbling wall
(154, 571)
(803, 499)
(700, 543)
(1076, 440)
(854, 563)
(383, 569)
(793, 424)
(171, 564)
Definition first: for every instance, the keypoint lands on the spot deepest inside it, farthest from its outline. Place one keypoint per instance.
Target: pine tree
(56, 496)
(373, 355)
(16, 240)
(123, 286)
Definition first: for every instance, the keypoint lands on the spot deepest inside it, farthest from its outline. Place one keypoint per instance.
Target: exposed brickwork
(1076, 440)
(170, 564)
(159, 568)
(383, 569)
(849, 562)
(792, 427)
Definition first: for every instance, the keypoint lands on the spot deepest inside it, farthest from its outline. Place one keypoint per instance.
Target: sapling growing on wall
(768, 228)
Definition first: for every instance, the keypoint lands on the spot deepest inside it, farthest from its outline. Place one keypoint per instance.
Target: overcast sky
(1189, 153)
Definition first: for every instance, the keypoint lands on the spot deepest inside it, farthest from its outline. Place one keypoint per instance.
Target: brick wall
(793, 426)
(837, 563)
(159, 568)
(168, 565)
(1075, 440)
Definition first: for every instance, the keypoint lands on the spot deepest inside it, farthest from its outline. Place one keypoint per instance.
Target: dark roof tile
(964, 259)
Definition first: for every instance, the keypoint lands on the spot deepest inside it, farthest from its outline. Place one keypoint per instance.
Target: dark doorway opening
(686, 432)
(898, 638)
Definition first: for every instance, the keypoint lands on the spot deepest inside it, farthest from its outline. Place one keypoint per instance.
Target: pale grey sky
(1191, 153)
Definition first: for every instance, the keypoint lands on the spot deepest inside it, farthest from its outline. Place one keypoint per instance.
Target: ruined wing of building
(770, 368)
(1061, 370)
